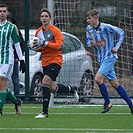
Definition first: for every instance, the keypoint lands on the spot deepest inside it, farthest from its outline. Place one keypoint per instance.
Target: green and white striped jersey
(9, 35)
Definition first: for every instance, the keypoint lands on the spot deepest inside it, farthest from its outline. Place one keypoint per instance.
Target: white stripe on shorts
(6, 70)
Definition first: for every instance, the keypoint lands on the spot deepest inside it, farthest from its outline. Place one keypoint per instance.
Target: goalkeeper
(52, 39)
(101, 37)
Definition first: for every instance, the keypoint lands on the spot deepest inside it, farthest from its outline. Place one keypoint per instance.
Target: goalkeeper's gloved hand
(28, 45)
(22, 66)
(43, 42)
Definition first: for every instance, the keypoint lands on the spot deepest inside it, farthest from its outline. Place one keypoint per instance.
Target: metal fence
(70, 16)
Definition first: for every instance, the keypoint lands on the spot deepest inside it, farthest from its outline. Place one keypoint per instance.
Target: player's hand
(43, 42)
(92, 42)
(35, 45)
(28, 45)
(114, 50)
(22, 66)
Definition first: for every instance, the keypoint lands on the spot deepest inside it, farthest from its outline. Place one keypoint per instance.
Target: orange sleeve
(37, 31)
(52, 52)
(58, 39)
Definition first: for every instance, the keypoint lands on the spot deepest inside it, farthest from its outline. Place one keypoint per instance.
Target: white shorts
(6, 71)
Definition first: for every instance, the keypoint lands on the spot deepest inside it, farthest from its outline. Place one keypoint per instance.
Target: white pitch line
(8, 113)
(67, 129)
(69, 106)
(66, 106)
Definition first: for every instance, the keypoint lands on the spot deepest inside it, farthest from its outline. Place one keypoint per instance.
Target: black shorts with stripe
(52, 71)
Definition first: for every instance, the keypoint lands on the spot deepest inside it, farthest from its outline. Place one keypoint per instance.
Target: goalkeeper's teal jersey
(9, 35)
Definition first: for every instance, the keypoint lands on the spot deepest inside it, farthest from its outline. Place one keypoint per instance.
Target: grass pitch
(67, 119)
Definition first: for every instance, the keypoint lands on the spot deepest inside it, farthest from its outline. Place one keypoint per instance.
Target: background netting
(70, 16)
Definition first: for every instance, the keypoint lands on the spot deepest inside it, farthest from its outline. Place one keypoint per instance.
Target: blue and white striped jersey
(104, 35)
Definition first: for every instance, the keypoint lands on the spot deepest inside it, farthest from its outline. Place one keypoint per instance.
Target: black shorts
(52, 71)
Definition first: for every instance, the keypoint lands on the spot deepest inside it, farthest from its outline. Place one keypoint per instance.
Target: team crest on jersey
(101, 43)
(48, 35)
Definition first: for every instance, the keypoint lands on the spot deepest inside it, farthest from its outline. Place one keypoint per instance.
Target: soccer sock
(2, 98)
(10, 96)
(104, 92)
(60, 88)
(46, 97)
(121, 91)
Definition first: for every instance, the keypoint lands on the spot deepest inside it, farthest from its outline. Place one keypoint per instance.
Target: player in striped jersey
(100, 36)
(8, 36)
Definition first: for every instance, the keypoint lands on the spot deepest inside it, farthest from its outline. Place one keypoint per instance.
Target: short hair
(44, 9)
(4, 5)
(11, 17)
(92, 12)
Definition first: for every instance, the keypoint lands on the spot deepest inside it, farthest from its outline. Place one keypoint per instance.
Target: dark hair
(92, 12)
(44, 9)
(4, 5)
(11, 16)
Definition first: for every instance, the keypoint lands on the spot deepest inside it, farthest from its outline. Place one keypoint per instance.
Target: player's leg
(103, 90)
(46, 98)
(50, 74)
(2, 99)
(17, 101)
(10, 96)
(121, 91)
(15, 79)
(105, 67)
(5, 74)
(62, 89)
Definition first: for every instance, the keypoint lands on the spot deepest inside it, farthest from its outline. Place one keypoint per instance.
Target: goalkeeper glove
(22, 66)
(43, 42)
(28, 45)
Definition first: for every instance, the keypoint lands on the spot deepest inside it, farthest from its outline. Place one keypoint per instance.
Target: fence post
(50, 7)
(27, 50)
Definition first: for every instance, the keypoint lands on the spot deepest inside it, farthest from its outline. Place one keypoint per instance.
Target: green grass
(66, 119)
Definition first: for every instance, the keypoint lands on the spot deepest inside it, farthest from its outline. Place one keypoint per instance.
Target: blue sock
(104, 93)
(121, 91)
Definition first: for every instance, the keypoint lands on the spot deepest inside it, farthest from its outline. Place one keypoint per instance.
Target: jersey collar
(3, 23)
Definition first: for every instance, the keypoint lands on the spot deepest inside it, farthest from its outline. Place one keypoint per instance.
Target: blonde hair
(93, 12)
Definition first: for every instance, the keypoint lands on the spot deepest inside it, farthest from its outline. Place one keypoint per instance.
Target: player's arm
(18, 51)
(114, 50)
(16, 42)
(20, 56)
(58, 40)
(56, 45)
(89, 39)
(22, 42)
(119, 33)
